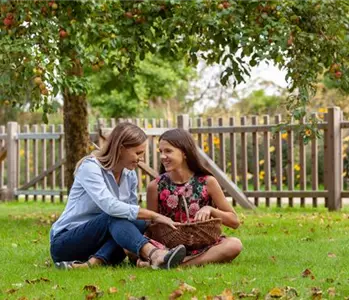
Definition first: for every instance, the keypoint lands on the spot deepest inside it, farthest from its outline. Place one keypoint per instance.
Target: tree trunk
(75, 128)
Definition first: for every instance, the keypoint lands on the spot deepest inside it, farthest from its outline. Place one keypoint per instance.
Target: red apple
(338, 74)
(8, 22)
(226, 4)
(63, 34)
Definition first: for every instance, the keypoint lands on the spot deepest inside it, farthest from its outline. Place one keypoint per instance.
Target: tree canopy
(48, 45)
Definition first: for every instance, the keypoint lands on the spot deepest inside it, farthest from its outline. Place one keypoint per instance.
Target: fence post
(334, 156)
(11, 145)
(183, 121)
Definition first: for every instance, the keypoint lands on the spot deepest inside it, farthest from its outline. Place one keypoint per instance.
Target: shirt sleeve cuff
(134, 210)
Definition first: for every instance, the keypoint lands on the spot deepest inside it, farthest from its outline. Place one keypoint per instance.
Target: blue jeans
(103, 237)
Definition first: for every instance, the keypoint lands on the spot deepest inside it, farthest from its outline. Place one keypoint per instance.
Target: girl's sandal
(172, 258)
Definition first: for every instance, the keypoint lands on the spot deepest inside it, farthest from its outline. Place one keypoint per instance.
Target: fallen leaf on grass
(316, 293)
(182, 288)
(132, 277)
(137, 298)
(275, 293)
(112, 290)
(91, 288)
(329, 254)
(175, 294)
(122, 281)
(227, 294)
(11, 291)
(291, 292)
(22, 298)
(273, 258)
(45, 279)
(94, 292)
(37, 280)
(255, 293)
(187, 288)
(308, 273)
(94, 295)
(331, 292)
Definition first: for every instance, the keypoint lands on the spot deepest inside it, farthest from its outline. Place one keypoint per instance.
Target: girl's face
(129, 157)
(171, 157)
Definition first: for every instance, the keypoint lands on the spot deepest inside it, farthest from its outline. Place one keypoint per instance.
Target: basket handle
(182, 200)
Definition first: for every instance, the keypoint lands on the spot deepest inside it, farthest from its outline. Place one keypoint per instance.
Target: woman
(182, 174)
(102, 218)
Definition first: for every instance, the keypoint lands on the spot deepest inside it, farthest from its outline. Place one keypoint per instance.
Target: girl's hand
(164, 220)
(203, 214)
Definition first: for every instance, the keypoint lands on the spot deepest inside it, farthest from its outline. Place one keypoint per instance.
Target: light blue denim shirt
(95, 191)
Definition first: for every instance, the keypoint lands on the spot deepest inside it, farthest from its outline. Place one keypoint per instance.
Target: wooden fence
(267, 165)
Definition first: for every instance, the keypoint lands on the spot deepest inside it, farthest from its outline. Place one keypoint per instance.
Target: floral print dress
(194, 192)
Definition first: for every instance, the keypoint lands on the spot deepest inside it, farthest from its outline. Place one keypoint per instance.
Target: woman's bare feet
(92, 262)
(142, 264)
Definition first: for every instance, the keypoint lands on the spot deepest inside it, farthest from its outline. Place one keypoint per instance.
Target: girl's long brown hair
(182, 139)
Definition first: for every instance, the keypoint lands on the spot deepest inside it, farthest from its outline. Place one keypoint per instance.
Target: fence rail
(266, 163)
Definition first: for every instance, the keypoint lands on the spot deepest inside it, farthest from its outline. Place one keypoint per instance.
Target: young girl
(102, 217)
(182, 174)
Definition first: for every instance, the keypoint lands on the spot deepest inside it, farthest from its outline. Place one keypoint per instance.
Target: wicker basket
(193, 235)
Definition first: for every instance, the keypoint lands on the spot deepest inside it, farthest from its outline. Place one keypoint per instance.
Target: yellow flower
(346, 139)
(21, 152)
(261, 177)
(344, 174)
(297, 167)
(308, 132)
(262, 173)
(249, 176)
(272, 149)
(261, 162)
(284, 136)
(216, 140)
(345, 146)
(149, 125)
(322, 110)
(298, 176)
(143, 177)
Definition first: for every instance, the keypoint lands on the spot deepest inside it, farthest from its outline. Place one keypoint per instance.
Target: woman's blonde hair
(124, 134)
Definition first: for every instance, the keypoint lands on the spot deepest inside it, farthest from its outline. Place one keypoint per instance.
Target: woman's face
(171, 157)
(130, 157)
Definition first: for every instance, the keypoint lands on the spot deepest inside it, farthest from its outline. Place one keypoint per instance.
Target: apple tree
(47, 46)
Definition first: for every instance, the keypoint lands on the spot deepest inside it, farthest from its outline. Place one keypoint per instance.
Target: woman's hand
(164, 220)
(203, 214)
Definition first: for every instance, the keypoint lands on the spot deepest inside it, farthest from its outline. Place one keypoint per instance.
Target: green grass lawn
(279, 245)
